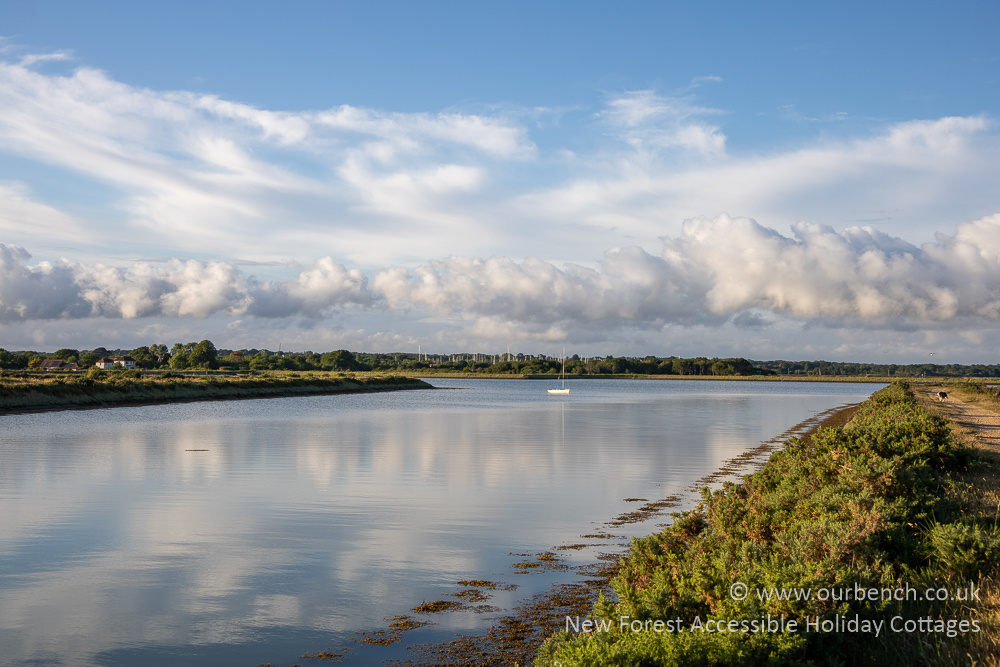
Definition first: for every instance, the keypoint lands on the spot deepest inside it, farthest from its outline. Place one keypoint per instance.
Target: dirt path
(979, 426)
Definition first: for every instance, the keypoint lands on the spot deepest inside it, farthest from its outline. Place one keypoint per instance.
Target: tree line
(194, 355)
(205, 355)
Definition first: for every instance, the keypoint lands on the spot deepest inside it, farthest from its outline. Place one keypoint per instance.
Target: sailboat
(564, 390)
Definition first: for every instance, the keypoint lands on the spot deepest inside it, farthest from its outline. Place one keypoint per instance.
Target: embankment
(873, 543)
(23, 393)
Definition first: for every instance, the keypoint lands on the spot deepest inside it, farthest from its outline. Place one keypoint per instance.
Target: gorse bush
(851, 508)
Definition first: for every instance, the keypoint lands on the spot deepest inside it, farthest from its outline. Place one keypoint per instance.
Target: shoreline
(40, 398)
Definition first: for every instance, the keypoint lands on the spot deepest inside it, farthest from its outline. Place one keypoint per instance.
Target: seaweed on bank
(864, 505)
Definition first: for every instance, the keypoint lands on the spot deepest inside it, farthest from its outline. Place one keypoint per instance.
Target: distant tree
(143, 357)
(181, 348)
(502, 367)
(160, 353)
(683, 367)
(283, 363)
(67, 355)
(203, 355)
(87, 359)
(260, 362)
(35, 362)
(721, 367)
(340, 360)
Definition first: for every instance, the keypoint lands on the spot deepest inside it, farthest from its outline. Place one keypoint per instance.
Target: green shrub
(841, 508)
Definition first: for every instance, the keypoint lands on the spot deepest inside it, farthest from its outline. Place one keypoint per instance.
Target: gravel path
(982, 424)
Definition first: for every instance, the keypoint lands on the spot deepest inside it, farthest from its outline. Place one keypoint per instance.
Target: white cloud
(858, 274)
(181, 289)
(716, 269)
(288, 128)
(410, 132)
(193, 170)
(312, 293)
(916, 177)
(182, 172)
(40, 292)
(21, 215)
(207, 179)
(33, 58)
(649, 121)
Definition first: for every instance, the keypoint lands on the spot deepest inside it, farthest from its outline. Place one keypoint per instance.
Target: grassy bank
(891, 504)
(33, 392)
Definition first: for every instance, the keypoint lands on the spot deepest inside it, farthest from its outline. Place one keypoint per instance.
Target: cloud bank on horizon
(469, 227)
(715, 271)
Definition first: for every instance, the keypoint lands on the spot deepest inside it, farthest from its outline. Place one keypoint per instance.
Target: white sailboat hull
(558, 391)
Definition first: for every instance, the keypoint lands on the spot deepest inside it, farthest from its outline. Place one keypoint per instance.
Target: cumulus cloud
(181, 289)
(312, 293)
(725, 267)
(715, 270)
(37, 293)
(720, 277)
(630, 285)
(859, 273)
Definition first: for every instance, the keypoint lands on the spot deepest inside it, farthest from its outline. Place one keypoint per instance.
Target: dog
(942, 396)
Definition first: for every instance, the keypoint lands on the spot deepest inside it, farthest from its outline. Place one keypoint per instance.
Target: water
(306, 520)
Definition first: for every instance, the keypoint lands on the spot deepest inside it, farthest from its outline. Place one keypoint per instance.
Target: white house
(126, 362)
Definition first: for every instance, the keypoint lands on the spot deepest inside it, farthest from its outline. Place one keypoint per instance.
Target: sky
(765, 180)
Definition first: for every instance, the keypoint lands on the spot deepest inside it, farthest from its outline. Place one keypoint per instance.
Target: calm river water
(248, 532)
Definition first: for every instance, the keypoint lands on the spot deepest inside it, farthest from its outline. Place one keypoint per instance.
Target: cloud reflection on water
(326, 514)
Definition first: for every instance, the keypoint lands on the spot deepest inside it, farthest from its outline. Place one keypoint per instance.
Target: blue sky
(777, 180)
